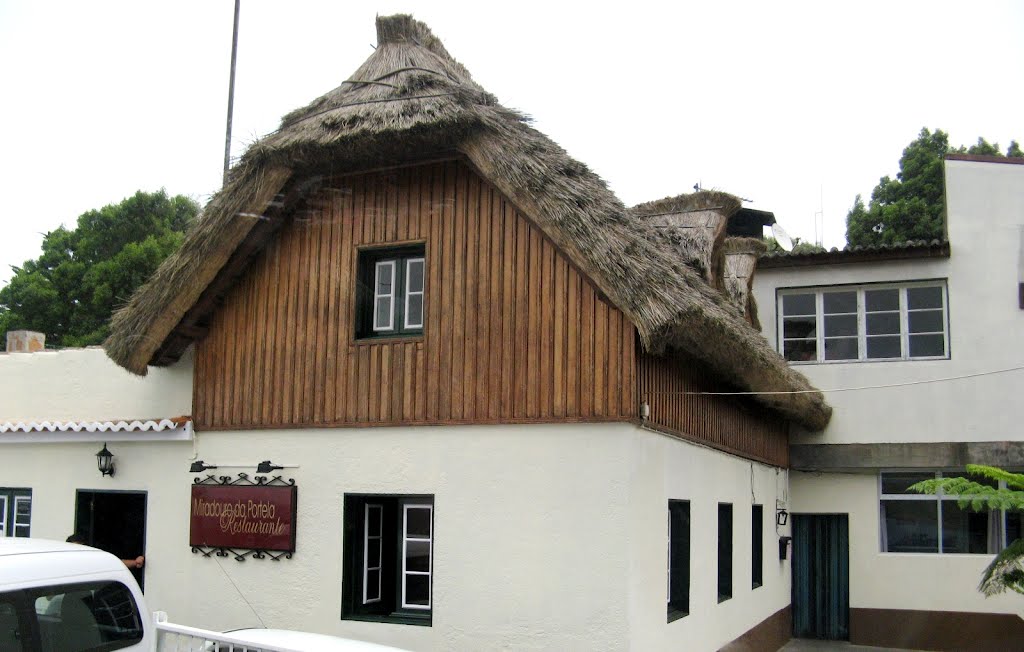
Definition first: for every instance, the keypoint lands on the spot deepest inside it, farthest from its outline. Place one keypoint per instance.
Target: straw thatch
(738, 274)
(410, 100)
(693, 226)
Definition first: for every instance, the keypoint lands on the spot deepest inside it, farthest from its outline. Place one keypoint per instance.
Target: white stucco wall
(84, 385)
(985, 206)
(546, 537)
(928, 582)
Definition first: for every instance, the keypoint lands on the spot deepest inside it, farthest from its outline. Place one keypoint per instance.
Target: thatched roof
(410, 100)
(738, 274)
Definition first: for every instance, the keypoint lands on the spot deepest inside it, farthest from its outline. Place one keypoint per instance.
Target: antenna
(782, 237)
(819, 217)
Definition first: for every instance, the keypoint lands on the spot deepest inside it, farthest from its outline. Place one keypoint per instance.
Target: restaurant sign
(253, 517)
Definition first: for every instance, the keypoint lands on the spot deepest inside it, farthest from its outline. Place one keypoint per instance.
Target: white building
(920, 351)
(495, 393)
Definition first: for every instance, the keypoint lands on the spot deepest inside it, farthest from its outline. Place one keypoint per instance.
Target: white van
(63, 597)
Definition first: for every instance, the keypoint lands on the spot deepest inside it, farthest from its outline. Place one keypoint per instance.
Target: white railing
(179, 638)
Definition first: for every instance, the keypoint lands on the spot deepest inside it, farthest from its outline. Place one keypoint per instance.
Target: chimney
(25, 341)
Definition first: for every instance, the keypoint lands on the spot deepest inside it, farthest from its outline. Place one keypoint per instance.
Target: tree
(911, 206)
(1007, 570)
(83, 274)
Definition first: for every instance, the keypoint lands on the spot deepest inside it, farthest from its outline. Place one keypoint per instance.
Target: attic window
(391, 292)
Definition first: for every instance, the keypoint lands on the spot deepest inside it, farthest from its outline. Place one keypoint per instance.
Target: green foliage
(1007, 570)
(83, 275)
(911, 206)
(798, 247)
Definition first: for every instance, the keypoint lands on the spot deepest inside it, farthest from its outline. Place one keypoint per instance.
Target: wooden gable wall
(513, 333)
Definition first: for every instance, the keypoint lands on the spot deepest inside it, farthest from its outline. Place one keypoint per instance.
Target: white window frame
(938, 498)
(14, 520)
(367, 537)
(390, 296)
(409, 293)
(430, 557)
(862, 336)
(3, 515)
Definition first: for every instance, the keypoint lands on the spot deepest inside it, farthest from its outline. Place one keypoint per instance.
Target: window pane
(383, 321)
(910, 525)
(373, 552)
(927, 297)
(414, 313)
(840, 325)
(884, 347)
(966, 530)
(417, 556)
(417, 522)
(835, 302)
(897, 483)
(91, 617)
(417, 590)
(799, 327)
(10, 636)
(800, 350)
(724, 551)
(798, 304)
(372, 585)
(385, 273)
(1014, 526)
(841, 348)
(756, 545)
(925, 321)
(883, 323)
(875, 300)
(679, 555)
(414, 282)
(373, 515)
(922, 346)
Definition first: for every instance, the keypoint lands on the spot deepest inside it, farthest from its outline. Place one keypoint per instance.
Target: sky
(796, 107)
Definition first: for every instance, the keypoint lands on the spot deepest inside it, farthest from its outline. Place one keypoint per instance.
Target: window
(724, 551)
(876, 322)
(388, 557)
(390, 295)
(925, 523)
(15, 512)
(678, 559)
(756, 545)
(87, 617)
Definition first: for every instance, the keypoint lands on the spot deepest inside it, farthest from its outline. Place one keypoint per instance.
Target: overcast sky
(795, 106)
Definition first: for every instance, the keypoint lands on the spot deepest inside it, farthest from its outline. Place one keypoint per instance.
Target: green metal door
(821, 576)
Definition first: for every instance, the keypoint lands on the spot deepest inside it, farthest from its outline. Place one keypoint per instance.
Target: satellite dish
(782, 237)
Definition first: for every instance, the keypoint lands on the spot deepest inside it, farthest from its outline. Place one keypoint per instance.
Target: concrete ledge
(827, 457)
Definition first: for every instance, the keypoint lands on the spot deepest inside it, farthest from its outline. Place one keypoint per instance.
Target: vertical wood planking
(512, 331)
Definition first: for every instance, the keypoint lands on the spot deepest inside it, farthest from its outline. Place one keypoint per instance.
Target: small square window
(390, 292)
(388, 558)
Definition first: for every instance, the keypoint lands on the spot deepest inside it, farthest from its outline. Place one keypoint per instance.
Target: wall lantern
(781, 517)
(105, 461)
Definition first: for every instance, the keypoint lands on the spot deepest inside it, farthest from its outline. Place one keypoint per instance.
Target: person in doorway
(138, 562)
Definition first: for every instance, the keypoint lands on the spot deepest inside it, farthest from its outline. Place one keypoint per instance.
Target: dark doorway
(821, 576)
(114, 521)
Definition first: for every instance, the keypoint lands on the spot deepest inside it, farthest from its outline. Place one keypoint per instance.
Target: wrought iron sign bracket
(244, 480)
(240, 555)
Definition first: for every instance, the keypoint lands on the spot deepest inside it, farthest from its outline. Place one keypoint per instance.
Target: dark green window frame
(756, 546)
(372, 583)
(678, 559)
(401, 292)
(724, 551)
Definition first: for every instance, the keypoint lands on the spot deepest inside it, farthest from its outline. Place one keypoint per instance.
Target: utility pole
(231, 94)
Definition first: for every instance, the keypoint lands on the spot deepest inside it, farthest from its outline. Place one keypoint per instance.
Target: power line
(852, 389)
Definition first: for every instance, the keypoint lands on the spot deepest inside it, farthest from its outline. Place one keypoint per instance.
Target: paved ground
(811, 645)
